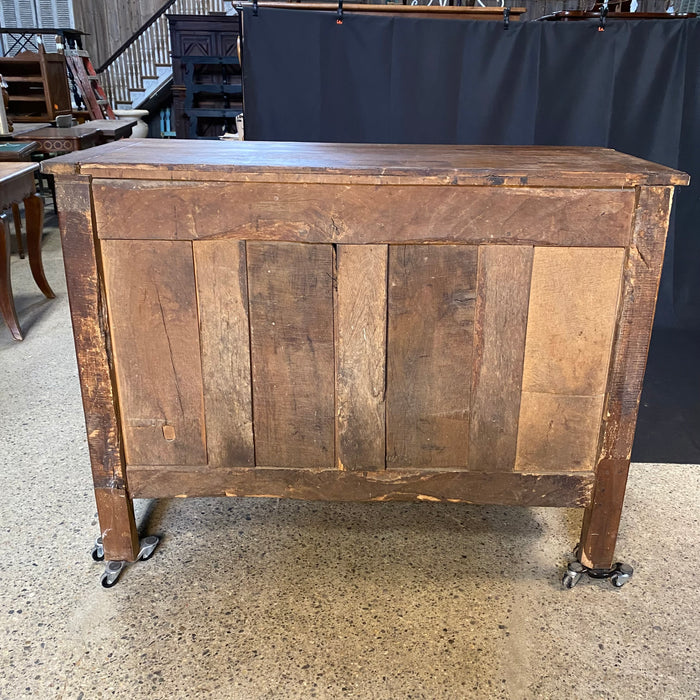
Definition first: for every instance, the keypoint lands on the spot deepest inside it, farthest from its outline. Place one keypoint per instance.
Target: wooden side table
(17, 185)
(63, 140)
(111, 129)
(22, 128)
(13, 153)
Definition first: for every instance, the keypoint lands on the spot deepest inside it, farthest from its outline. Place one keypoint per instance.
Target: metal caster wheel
(618, 575)
(148, 546)
(573, 574)
(112, 573)
(98, 551)
(114, 568)
(621, 575)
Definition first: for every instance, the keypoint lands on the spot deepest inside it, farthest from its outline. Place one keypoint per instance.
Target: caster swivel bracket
(619, 575)
(114, 568)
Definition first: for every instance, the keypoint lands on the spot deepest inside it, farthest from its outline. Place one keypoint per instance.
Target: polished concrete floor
(282, 599)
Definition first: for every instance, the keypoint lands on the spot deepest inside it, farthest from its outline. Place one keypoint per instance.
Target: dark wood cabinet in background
(207, 90)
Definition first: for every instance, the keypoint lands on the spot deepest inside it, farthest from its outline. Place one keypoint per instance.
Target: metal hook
(506, 17)
(339, 19)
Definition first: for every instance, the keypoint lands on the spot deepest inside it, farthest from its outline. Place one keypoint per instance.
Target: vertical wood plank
(153, 307)
(571, 321)
(431, 298)
(503, 291)
(640, 288)
(292, 353)
(95, 367)
(222, 292)
(361, 356)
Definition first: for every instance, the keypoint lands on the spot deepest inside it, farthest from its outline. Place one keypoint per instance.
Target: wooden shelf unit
(37, 86)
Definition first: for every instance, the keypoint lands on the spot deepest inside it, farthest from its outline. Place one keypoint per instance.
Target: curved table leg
(18, 228)
(34, 210)
(7, 302)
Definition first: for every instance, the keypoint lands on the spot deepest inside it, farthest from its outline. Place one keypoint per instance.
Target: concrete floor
(283, 599)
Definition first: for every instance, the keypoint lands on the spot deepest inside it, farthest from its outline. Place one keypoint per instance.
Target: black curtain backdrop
(634, 87)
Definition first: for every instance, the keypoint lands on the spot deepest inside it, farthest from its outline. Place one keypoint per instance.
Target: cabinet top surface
(539, 166)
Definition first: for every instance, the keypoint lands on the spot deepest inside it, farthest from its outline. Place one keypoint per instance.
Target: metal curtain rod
(341, 7)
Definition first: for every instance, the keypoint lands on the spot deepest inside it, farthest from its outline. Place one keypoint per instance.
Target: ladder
(87, 84)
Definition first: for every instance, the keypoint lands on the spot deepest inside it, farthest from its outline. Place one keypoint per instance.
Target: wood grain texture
(329, 213)
(361, 356)
(503, 291)
(117, 524)
(431, 298)
(222, 294)
(641, 284)
(571, 320)
(93, 349)
(510, 488)
(558, 432)
(353, 163)
(155, 335)
(292, 353)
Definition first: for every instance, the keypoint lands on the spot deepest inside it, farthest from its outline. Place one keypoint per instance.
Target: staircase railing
(139, 58)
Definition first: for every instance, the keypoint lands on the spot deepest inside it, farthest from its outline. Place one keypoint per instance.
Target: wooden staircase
(142, 64)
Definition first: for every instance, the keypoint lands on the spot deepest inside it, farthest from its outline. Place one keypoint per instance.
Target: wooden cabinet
(37, 86)
(207, 87)
(362, 322)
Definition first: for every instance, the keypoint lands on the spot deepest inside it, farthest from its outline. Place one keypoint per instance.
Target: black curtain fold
(634, 87)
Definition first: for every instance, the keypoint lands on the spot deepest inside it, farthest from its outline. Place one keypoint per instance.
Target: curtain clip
(255, 8)
(603, 15)
(339, 19)
(506, 17)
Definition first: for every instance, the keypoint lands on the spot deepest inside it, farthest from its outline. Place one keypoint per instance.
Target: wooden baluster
(152, 50)
(162, 58)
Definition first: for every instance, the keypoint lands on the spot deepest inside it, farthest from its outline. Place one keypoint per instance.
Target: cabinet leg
(7, 302)
(601, 519)
(120, 538)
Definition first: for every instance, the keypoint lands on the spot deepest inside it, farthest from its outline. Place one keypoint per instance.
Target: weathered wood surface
(222, 295)
(321, 213)
(293, 361)
(571, 320)
(503, 292)
(558, 432)
(373, 164)
(499, 399)
(431, 299)
(360, 323)
(641, 285)
(92, 344)
(562, 490)
(153, 313)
